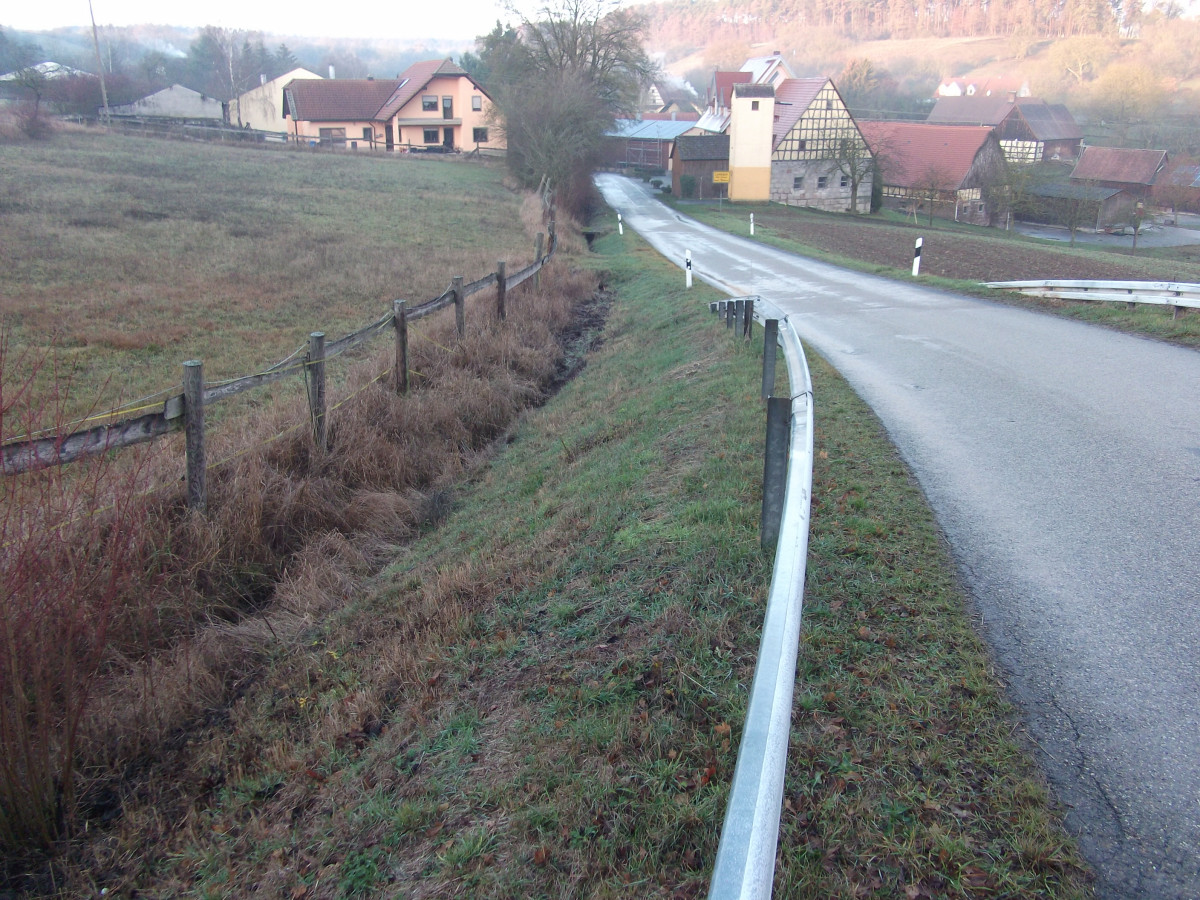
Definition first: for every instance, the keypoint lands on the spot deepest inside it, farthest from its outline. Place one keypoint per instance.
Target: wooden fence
(185, 410)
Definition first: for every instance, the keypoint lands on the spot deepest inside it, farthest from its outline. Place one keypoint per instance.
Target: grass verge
(960, 257)
(542, 697)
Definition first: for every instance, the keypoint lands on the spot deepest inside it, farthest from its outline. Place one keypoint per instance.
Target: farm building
(1078, 206)
(696, 157)
(1029, 130)
(262, 107)
(176, 102)
(947, 168)
(643, 143)
(1134, 171)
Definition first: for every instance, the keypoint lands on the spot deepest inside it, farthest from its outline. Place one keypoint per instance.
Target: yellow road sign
(720, 178)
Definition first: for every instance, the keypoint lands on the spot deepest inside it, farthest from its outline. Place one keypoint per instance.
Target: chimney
(1012, 96)
(331, 70)
(776, 53)
(262, 78)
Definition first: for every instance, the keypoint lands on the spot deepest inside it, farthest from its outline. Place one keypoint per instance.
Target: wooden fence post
(193, 429)
(316, 387)
(400, 323)
(537, 253)
(774, 470)
(770, 347)
(460, 304)
(501, 290)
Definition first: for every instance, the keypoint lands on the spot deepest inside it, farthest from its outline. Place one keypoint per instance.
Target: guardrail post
(774, 470)
(729, 311)
(193, 429)
(1176, 312)
(400, 323)
(770, 347)
(539, 241)
(316, 387)
(501, 290)
(713, 306)
(739, 314)
(460, 310)
(748, 319)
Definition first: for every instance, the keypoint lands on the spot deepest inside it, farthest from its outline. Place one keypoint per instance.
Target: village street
(1063, 463)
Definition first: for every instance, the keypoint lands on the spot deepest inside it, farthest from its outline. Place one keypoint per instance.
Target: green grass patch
(587, 618)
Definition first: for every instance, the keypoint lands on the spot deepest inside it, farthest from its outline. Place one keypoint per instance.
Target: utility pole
(104, 117)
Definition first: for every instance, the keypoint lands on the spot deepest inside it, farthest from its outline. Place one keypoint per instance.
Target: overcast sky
(341, 18)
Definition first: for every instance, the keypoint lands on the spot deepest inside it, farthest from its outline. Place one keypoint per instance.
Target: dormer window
(754, 105)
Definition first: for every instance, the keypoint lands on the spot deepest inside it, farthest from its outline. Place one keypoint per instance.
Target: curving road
(1063, 463)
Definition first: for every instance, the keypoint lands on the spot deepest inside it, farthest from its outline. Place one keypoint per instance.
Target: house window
(845, 182)
(447, 107)
(798, 183)
(368, 134)
(431, 135)
(829, 104)
(754, 104)
(803, 144)
(429, 103)
(333, 135)
(479, 135)
(476, 103)
(822, 181)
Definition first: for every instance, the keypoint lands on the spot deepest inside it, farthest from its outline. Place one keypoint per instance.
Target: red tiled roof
(1119, 164)
(792, 97)
(909, 151)
(364, 99)
(338, 100)
(724, 85)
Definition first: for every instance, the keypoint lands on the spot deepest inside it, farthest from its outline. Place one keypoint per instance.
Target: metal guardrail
(1180, 295)
(745, 863)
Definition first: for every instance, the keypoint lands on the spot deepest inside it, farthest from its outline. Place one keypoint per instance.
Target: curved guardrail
(1181, 295)
(745, 864)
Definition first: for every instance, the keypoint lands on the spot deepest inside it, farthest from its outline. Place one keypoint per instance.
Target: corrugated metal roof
(1119, 164)
(909, 151)
(649, 130)
(702, 147)
(792, 98)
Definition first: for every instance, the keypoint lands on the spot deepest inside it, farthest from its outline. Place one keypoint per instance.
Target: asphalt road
(1063, 463)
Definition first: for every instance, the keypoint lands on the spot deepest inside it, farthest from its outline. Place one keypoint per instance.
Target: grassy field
(959, 257)
(131, 256)
(542, 696)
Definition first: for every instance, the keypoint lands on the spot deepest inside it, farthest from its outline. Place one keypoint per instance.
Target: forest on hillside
(1130, 74)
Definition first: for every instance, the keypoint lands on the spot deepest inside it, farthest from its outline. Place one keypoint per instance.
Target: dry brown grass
(291, 532)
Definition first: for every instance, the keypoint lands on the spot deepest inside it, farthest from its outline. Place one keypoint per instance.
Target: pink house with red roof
(432, 106)
(944, 170)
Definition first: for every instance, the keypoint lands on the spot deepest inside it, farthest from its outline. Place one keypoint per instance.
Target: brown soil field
(954, 254)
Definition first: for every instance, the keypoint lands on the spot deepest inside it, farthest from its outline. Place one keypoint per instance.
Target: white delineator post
(917, 257)
(687, 268)
(620, 225)
(751, 224)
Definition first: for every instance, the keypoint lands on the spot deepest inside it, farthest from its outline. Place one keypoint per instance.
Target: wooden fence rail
(185, 411)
